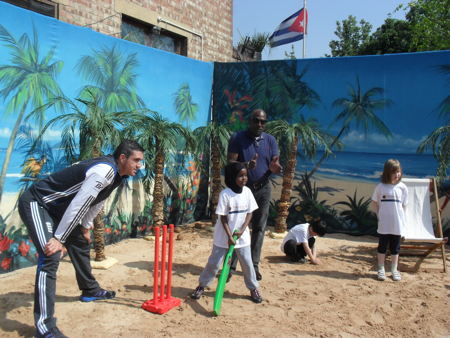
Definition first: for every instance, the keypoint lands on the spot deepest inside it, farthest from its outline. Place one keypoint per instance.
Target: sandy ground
(339, 298)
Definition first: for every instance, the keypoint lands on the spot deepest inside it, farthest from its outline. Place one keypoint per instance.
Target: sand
(339, 298)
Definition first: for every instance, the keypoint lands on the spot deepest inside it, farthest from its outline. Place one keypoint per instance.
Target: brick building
(199, 29)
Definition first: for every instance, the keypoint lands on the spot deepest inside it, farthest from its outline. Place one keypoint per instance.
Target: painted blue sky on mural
(159, 74)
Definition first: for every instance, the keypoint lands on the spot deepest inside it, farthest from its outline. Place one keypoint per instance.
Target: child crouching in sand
(235, 207)
(299, 241)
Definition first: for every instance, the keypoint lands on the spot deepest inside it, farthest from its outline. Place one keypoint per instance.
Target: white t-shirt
(391, 199)
(299, 233)
(236, 207)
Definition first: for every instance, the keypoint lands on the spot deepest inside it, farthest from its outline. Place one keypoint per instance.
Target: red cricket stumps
(164, 302)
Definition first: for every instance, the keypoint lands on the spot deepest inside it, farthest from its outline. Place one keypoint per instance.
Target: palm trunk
(158, 193)
(288, 177)
(99, 226)
(216, 181)
(324, 156)
(9, 150)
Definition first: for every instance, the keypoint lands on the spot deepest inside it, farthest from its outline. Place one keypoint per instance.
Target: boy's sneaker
(255, 296)
(381, 275)
(198, 292)
(52, 333)
(396, 275)
(98, 295)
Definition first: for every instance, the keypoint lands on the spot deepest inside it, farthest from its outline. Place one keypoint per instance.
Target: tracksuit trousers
(41, 227)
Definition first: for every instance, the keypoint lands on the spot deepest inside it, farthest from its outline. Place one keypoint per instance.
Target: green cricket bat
(223, 279)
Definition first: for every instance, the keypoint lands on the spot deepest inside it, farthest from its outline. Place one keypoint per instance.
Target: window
(152, 36)
(44, 7)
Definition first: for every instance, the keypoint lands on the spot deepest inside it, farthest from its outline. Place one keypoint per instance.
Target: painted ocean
(14, 173)
(369, 166)
(344, 165)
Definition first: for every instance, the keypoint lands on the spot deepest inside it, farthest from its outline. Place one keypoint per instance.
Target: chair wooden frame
(423, 247)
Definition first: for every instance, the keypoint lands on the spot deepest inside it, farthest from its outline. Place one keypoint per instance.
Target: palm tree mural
(358, 110)
(307, 133)
(96, 129)
(439, 140)
(112, 80)
(184, 106)
(213, 140)
(28, 82)
(279, 89)
(157, 133)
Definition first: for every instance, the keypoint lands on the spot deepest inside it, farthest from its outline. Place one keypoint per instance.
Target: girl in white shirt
(390, 199)
(235, 207)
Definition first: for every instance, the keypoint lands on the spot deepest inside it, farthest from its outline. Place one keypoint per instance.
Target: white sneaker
(396, 275)
(381, 275)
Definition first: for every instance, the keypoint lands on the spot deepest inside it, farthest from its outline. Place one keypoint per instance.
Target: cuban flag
(290, 30)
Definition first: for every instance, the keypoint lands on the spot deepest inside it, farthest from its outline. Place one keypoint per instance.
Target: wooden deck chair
(420, 237)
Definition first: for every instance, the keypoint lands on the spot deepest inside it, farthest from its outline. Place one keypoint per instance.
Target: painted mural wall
(369, 109)
(70, 73)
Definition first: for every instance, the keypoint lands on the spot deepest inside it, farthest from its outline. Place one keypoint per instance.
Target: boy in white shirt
(299, 241)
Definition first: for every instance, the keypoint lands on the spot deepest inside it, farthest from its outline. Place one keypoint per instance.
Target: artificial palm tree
(439, 140)
(28, 82)
(213, 140)
(157, 133)
(112, 80)
(184, 106)
(307, 133)
(95, 128)
(359, 110)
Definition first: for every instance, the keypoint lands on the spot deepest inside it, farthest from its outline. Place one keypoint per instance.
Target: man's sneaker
(381, 275)
(198, 292)
(52, 333)
(255, 296)
(396, 276)
(98, 295)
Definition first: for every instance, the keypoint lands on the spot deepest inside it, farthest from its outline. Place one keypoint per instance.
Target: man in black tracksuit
(59, 211)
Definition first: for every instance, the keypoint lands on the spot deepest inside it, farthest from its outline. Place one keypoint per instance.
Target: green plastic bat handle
(223, 279)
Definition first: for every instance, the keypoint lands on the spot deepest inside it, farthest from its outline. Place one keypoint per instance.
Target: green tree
(358, 110)
(439, 140)
(351, 36)
(28, 82)
(306, 133)
(430, 24)
(394, 36)
(213, 140)
(184, 106)
(157, 133)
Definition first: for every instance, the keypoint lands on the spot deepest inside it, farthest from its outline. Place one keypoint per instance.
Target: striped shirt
(76, 194)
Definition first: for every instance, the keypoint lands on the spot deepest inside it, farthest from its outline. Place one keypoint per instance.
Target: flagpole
(304, 34)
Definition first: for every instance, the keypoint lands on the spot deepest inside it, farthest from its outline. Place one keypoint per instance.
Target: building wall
(207, 24)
